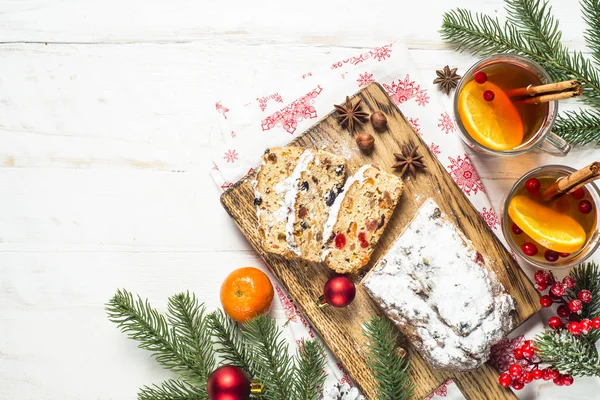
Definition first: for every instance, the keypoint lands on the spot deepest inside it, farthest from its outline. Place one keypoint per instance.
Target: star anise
(447, 79)
(409, 161)
(350, 115)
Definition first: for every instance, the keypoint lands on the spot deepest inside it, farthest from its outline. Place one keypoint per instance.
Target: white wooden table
(104, 159)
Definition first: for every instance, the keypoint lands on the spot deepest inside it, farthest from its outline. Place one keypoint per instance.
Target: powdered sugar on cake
(433, 285)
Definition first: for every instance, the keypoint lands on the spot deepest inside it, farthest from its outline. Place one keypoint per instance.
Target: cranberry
(547, 374)
(529, 249)
(528, 353)
(488, 95)
(554, 322)
(564, 255)
(585, 296)
(578, 194)
(585, 207)
(517, 385)
(532, 185)
(540, 276)
(551, 255)
(575, 305)
(575, 328)
(546, 301)
(563, 311)
(518, 353)
(567, 380)
(555, 373)
(596, 323)
(504, 380)
(557, 289)
(574, 317)
(526, 377)
(537, 374)
(480, 77)
(340, 241)
(553, 296)
(515, 370)
(541, 286)
(569, 282)
(586, 326)
(515, 229)
(558, 380)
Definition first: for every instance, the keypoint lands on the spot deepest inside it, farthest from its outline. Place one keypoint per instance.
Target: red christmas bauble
(339, 291)
(228, 383)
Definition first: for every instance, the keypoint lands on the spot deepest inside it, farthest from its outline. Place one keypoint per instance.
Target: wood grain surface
(341, 328)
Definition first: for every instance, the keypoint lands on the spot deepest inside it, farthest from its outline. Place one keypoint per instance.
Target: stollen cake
(291, 191)
(358, 217)
(436, 288)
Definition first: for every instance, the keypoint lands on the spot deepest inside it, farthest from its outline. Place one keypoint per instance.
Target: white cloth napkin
(273, 118)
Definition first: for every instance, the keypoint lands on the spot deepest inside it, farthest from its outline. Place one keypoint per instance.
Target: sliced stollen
(435, 286)
(274, 193)
(358, 217)
(319, 184)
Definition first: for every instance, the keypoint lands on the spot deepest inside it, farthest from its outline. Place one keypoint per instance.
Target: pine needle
(579, 127)
(390, 370)
(231, 348)
(273, 362)
(587, 276)
(591, 16)
(309, 375)
(571, 355)
(146, 325)
(172, 390)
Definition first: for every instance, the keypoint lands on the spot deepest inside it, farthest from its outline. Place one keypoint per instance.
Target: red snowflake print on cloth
(299, 110)
(345, 377)
(490, 217)
(446, 124)
(403, 90)
(435, 149)
(380, 54)
(231, 156)
(422, 98)
(442, 391)
(287, 304)
(215, 167)
(221, 109)
(502, 353)
(226, 185)
(364, 79)
(465, 175)
(262, 101)
(415, 125)
(304, 76)
(233, 134)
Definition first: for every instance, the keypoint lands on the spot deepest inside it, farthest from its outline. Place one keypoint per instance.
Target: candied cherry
(480, 77)
(585, 206)
(515, 229)
(554, 322)
(585, 296)
(529, 249)
(551, 255)
(578, 194)
(340, 241)
(532, 185)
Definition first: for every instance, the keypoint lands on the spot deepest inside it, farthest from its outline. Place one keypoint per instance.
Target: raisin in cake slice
(358, 217)
(274, 193)
(436, 288)
(319, 184)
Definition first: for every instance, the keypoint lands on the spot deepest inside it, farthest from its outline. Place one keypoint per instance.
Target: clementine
(245, 293)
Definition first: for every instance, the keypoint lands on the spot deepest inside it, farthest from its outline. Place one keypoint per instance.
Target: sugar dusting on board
(432, 284)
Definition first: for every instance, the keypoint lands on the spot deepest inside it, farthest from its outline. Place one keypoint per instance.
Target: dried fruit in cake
(273, 181)
(358, 217)
(245, 293)
(435, 286)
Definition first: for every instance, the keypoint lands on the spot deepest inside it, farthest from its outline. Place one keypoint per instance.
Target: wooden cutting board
(304, 281)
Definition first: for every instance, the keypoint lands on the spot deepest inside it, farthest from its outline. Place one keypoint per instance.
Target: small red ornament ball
(537, 374)
(596, 323)
(504, 380)
(540, 276)
(339, 291)
(575, 305)
(517, 385)
(578, 194)
(532, 185)
(574, 328)
(585, 207)
(529, 249)
(228, 383)
(569, 282)
(480, 77)
(516, 230)
(546, 301)
(488, 95)
(567, 380)
(557, 289)
(518, 353)
(554, 322)
(586, 326)
(585, 296)
(515, 370)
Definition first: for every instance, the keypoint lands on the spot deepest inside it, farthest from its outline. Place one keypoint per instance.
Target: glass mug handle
(555, 145)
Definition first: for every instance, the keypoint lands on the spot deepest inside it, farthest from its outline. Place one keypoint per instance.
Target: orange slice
(494, 124)
(551, 229)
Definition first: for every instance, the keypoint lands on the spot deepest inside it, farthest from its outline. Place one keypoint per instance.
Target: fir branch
(172, 390)
(576, 356)
(579, 127)
(186, 317)
(232, 349)
(587, 276)
(146, 325)
(535, 20)
(591, 15)
(273, 362)
(309, 375)
(390, 370)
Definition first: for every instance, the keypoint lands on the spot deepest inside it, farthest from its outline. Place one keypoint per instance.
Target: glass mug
(505, 68)
(569, 206)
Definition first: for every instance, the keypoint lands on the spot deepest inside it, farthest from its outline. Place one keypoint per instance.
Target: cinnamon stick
(572, 182)
(549, 97)
(533, 90)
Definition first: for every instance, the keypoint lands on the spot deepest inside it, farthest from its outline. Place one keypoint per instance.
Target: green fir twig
(309, 375)
(390, 370)
(569, 354)
(172, 390)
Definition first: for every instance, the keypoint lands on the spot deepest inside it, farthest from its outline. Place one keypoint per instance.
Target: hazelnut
(365, 142)
(379, 120)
